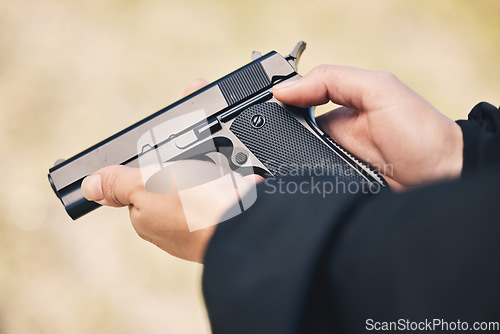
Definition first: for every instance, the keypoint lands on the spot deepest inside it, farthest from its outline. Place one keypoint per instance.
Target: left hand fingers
(113, 186)
(194, 86)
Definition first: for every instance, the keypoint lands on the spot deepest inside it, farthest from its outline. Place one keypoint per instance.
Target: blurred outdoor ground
(74, 72)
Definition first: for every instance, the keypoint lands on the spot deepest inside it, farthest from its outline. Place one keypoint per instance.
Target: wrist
(451, 163)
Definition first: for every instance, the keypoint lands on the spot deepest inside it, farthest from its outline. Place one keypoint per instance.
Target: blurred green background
(74, 72)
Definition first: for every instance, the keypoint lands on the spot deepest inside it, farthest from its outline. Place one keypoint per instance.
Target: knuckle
(383, 85)
(320, 69)
(144, 218)
(139, 224)
(109, 186)
(386, 77)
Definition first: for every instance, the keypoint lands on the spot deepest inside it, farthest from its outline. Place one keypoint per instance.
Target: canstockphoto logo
(321, 177)
(325, 168)
(319, 186)
(177, 156)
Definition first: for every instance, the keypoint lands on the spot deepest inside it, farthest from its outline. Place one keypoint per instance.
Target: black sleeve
(481, 133)
(302, 262)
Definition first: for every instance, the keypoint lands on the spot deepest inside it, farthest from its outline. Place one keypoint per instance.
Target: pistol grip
(288, 147)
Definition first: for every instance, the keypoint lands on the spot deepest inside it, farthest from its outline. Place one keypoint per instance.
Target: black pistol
(238, 116)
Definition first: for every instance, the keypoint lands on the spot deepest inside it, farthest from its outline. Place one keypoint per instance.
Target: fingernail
(286, 84)
(91, 188)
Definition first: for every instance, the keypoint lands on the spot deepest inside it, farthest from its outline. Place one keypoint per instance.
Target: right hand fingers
(347, 86)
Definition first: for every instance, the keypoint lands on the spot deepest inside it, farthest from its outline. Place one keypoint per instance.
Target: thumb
(342, 85)
(113, 186)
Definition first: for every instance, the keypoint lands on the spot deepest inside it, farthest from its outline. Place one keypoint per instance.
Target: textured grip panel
(244, 83)
(286, 147)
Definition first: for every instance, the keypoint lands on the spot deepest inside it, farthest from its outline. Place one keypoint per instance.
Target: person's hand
(161, 218)
(381, 121)
(157, 218)
(180, 223)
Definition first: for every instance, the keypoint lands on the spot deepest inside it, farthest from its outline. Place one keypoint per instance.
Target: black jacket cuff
(481, 132)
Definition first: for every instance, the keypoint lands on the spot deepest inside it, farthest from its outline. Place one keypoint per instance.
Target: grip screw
(258, 121)
(240, 158)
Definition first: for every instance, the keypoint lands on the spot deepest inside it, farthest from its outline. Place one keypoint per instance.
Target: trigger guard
(310, 113)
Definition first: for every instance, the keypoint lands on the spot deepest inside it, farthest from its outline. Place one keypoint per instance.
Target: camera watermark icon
(179, 156)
